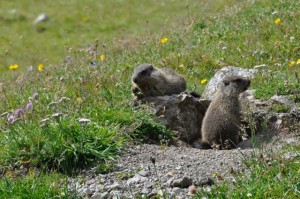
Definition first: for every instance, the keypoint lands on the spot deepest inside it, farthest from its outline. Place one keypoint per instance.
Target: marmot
(152, 81)
(221, 123)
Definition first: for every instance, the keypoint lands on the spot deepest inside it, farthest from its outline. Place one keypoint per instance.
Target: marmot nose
(135, 80)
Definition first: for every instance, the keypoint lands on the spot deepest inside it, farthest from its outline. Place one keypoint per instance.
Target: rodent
(153, 81)
(221, 122)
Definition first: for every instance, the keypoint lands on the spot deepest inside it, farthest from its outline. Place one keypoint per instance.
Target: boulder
(181, 113)
(212, 86)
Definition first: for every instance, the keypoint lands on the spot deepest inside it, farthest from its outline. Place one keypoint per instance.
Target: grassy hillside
(61, 114)
(75, 24)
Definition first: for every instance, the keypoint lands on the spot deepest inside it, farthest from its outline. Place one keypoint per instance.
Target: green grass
(75, 24)
(35, 186)
(202, 38)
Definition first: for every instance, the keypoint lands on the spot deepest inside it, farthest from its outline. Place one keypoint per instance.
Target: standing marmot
(220, 125)
(152, 81)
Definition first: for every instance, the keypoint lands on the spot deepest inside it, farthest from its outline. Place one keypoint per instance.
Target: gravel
(150, 170)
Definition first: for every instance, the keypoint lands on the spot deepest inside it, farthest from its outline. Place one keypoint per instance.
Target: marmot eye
(144, 72)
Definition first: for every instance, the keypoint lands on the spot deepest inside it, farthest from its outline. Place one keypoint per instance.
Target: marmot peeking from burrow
(152, 81)
(221, 123)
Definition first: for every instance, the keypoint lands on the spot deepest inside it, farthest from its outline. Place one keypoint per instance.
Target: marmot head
(234, 85)
(142, 73)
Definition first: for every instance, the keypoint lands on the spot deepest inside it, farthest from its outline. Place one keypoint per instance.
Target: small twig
(152, 159)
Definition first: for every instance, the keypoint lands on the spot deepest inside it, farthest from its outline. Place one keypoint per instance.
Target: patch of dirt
(150, 170)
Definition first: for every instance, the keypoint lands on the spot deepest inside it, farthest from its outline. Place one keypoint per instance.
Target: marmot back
(221, 123)
(152, 81)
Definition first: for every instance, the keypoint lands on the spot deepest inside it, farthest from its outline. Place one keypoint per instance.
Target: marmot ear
(226, 82)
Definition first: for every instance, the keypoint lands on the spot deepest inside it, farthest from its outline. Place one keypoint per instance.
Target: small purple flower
(11, 119)
(28, 106)
(34, 95)
(19, 112)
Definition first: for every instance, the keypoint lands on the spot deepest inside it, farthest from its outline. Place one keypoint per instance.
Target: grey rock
(136, 179)
(115, 194)
(212, 85)
(145, 191)
(148, 184)
(89, 191)
(169, 183)
(144, 173)
(205, 182)
(184, 182)
(115, 186)
(42, 17)
(103, 195)
(181, 113)
(284, 101)
(177, 190)
(153, 193)
(291, 155)
(91, 181)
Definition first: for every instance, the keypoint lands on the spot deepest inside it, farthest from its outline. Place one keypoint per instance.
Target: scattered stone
(144, 173)
(42, 17)
(206, 182)
(115, 186)
(291, 155)
(136, 179)
(192, 189)
(103, 195)
(184, 182)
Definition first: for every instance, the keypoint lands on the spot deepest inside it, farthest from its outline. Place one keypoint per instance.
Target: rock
(177, 190)
(284, 101)
(103, 195)
(115, 186)
(115, 194)
(181, 113)
(184, 182)
(153, 193)
(212, 85)
(144, 173)
(145, 191)
(206, 182)
(192, 189)
(42, 17)
(291, 155)
(136, 179)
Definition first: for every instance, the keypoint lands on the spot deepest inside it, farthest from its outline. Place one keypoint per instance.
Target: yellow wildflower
(14, 67)
(79, 100)
(40, 67)
(102, 57)
(292, 63)
(164, 40)
(298, 61)
(85, 19)
(203, 81)
(278, 21)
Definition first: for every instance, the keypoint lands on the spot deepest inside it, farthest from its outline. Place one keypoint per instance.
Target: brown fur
(221, 123)
(152, 81)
